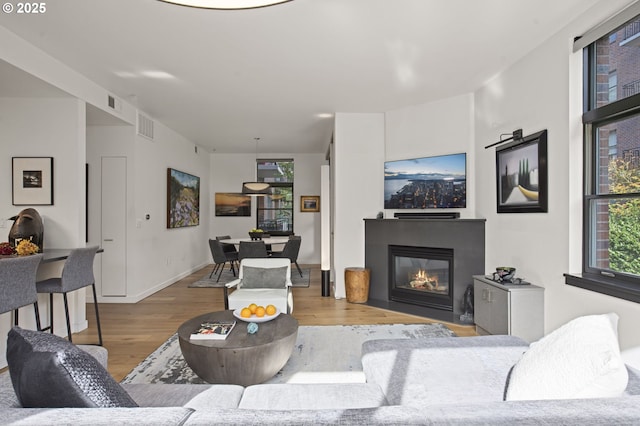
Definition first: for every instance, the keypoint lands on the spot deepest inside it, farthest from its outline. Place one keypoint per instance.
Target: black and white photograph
(32, 181)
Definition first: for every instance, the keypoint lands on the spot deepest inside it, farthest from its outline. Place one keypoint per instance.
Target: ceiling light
(163, 75)
(226, 4)
(256, 188)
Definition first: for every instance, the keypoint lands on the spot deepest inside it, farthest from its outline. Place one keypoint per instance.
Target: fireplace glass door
(421, 275)
(425, 275)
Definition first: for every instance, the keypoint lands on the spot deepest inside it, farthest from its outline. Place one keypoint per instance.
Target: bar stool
(18, 285)
(77, 273)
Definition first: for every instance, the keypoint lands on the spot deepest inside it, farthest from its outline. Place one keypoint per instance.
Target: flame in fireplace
(422, 280)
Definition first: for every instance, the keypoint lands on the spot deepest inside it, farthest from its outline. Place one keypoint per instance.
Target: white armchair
(264, 281)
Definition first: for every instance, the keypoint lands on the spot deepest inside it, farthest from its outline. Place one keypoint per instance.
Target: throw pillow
(581, 359)
(254, 277)
(49, 371)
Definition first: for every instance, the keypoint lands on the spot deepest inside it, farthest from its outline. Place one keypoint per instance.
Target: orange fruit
(253, 307)
(271, 310)
(260, 311)
(245, 313)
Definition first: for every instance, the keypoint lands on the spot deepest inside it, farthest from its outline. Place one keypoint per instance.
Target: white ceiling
(222, 78)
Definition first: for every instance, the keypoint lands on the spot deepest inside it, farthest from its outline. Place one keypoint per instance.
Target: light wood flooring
(132, 331)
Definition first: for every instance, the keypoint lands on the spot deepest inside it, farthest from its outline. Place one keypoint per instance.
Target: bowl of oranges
(256, 313)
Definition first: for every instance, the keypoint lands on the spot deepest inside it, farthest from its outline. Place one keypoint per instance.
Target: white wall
(435, 128)
(46, 128)
(228, 171)
(363, 142)
(156, 256)
(542, 91)
(358, 171)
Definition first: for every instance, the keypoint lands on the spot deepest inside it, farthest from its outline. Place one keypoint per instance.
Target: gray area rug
(322, 354)
(227, 276)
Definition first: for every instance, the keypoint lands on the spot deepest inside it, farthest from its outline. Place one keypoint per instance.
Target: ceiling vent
(114, 103)
(145, 126)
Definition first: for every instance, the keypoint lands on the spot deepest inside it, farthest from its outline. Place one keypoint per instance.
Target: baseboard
(150, 291)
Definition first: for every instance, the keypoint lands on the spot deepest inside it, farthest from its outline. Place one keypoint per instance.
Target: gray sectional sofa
(409, 381)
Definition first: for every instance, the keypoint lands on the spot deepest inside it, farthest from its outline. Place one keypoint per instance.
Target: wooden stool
(356, 283)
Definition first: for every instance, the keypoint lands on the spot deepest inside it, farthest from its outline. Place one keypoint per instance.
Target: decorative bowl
(505, 272)
(254, 317)
(256, 235)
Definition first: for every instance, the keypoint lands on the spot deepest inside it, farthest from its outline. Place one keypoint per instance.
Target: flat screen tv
(438, 182)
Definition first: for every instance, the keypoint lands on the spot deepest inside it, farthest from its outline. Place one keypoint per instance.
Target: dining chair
(77, 273)
(291, 250)
(219, 258)
(230, 251)
(18, 285)
(252, 249)
(264, 281)
(266, 235)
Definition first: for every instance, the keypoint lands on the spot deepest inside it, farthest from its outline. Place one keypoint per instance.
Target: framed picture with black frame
(32, 181)
(521, 172)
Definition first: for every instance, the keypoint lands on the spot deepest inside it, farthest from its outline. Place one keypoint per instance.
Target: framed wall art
(232, 204)
(32, 181)
(310, 203)
(183, 199)
(521, 171)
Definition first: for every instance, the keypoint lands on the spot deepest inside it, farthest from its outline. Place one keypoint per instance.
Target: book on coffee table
(215, 330)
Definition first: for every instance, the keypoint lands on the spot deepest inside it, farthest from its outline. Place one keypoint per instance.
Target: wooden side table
(356, 283)
(242, 358)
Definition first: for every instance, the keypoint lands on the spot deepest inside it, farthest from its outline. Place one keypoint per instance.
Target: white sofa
(437, 381)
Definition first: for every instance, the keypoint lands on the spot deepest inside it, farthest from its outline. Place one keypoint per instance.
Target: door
(482, 309)
(113, 227)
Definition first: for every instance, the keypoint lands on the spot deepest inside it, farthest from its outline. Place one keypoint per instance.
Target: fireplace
(421, 276)
(457, 242)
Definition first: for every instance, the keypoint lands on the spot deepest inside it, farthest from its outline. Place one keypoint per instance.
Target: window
(611, 208)
(613, 86)
(275, 211)
(613, 145)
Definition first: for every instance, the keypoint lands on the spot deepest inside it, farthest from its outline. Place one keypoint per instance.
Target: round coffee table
(242, 358)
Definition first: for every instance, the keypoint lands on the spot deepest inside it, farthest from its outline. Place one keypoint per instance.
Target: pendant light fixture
(256, 188)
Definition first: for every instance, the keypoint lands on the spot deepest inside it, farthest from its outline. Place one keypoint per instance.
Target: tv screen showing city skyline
(436, 182)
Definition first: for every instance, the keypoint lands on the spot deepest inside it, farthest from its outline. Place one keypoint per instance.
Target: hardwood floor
(132, 331)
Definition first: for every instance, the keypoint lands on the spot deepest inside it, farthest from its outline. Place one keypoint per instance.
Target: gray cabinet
(513, 309)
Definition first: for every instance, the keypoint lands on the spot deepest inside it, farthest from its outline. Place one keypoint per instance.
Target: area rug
(322, 354)
(227, 276)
